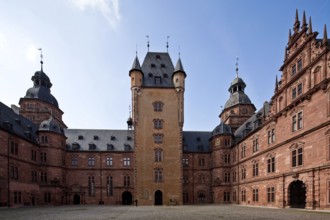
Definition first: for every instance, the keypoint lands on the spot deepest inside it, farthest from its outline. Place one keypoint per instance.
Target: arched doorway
(297, 194)
(201, 198)
(76, 199)
(126, 198)
(158, 197)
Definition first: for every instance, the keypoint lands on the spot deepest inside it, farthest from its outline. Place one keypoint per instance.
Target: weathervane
(237, 67)
(167, 43)
(148, 45)
(41, 56)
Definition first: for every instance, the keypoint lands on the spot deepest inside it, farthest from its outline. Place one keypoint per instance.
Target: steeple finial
(285, 52)
(148, 45)
(304, 24)
(325, 35)
(237, 67)
(41, 56)
(276, 84)
(167, 43)
(290, 35)
(296, 25)
(310, 28)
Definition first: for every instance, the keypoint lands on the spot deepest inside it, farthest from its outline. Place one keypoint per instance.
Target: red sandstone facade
(278, 156)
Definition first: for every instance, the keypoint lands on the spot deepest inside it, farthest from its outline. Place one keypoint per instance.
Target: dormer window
(158, 80)
(162, 65)
(153, 65)
(165, 75)
(129, 138)
(157, 56)
(80, 137)
(127, 147)
(75, 146)
(112, 138)
(96, 137)
(110, 147)
(92, 146)
(150, 75)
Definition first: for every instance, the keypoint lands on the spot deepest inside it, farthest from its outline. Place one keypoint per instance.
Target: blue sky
(89, 47)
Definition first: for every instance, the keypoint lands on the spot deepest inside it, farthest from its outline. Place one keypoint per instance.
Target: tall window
(185, 197)
(158, 155)
(243, 151)
(158, 175)
(47, 197)
(91, 186)
(294, 93)
(300, 64)
(44, 139)
(14, 148)
(297, 157)
(14, 172)
(33, 155)
(74, 161)
(271, 194)
(234, 156)
(243, 195)
(127, 162)
(91, 161)
(243, 173)
(34, 176)
(158, 138)
(255, 145)
(234, 176)
(234, 196)
(158, 124)
(109, 161)
(109, 186)
(299, 89)
(293, 70)
(201, 161)
(271, 136)
(226, 196)
(297, 121)
(271, 165)
(227, 177)
(17, 197)
(127, 181)
(227, 158)
(43, 177)
(255, 195)
(43, 157)
(158, 106)
(255, 169)
(185, 162)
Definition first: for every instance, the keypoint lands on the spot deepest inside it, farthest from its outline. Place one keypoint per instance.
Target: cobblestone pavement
(204, 212)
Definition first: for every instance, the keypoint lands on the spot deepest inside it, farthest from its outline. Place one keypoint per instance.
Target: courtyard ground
(205, 212)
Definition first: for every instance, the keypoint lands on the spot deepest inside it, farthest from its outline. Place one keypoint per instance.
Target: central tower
(157, 113)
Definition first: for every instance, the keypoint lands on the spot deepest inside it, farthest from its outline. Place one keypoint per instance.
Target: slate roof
(157, 70)
(17, 124)
(99, 140)
(222, 128)
(51, 125)
(237, 98)
(196, 141)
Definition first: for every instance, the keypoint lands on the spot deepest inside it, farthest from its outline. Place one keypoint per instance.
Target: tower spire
(41, 56)
(296, 25)
(304, 24)
(310, 28)
(237, 67)
(290, 35)
(325, 35)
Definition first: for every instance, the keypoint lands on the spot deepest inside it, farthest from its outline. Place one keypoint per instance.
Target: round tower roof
(222, 128)
(51, 125)
(42, 93)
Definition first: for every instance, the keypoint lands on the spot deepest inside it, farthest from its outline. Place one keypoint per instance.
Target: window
(234, 196)
(158, 106)
(300, 120)
(158, 175)
(43, 157)
(234, 156)
(185, 162)
(17, 197)
(47, 197)
(255, 169)
(243, 173)
(185, 197)
(34, 176)
(33, 155)
(109, 161)
(234, 176)
(300, 64)
(271, 194)
(227, 158)
(109, 186)
(158, 124)
(158, 138)
(299, 89)
(127, 162)
(91, 161)
(127, 181)
(185, 179)
(328, 191)
(293, 70)
(255, 145)
(80, 137)
(201, 161)
(96, 137)
(158, 80)
(243, 195)
(243, 151)
(44, 139)
(91, 186)
(43, 177)
(255, 195)
(201, 198)
(14, 172)
(74, 161)
(271, 165)
(271, 136)
(227, 177)
(158, 155)
(226, 196)
(297, 157)
(14, 148)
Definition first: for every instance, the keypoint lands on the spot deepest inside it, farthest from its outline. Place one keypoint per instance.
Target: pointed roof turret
(310, 28)
(296, 25)
(290, 35)
(178, 66)
(276, 84)
(325, 35)
(136, 64)
(304, 24)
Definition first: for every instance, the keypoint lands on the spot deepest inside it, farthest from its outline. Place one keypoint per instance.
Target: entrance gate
(158, 197)
(297, 190)
(126, 198)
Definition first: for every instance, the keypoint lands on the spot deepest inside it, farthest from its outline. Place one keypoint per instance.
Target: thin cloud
(108, 8)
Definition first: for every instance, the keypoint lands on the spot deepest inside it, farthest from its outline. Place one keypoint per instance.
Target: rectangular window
(91, 186)
(74, 161)
(243, 173)
(227, 158)
(91, 161)
(234, 176)
(234, 156)
(293, 70)
(109, 161)
(185, 162)
(158, 124)
(158, 138)
(17, 197)
(226, 196)
(255, 145)
(271, 165)
(300, 120)
(243, 195)
(201, 162)
(273, 135)
(158, 106)
(234, 196)
(14, 148)
(43, 177)
(243, 152)
(47, 197)
(255, 169)
(14, 172)
(127, 162)
(297, 157)
(158, 175)
(227, 177)
(185, 197)
(271, 194)
(43, 157)
(110, 186)
(299, 89)
(300, 64)
(34, 176)
(127, 181)
(255, 195)
(33, 155)
(294, 93)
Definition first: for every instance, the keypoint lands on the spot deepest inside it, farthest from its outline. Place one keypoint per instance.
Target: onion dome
(221, 129)
(237, 95)
(51, 125)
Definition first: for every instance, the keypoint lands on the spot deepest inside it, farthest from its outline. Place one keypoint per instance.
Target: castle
(276, 156)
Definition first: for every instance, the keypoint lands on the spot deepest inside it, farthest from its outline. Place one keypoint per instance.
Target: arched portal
(158, 197)
(201, 198)
(76, 199)
(126, 198)
(297, 194)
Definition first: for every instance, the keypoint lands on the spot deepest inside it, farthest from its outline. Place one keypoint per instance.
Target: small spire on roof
(285, 52)
(310, 28)
(290, 35)
(167, 43)
(276, 84)
(41, 56)
(296, 23)
(148, 45)
(304, 23)
(325, 35)
(237, 67)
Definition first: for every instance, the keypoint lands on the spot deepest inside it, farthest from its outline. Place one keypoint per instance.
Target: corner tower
(157, 114)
